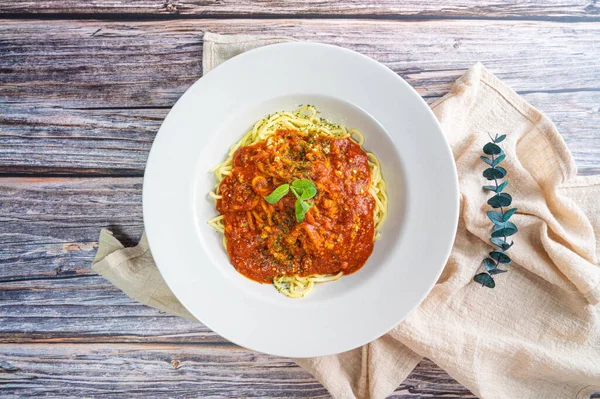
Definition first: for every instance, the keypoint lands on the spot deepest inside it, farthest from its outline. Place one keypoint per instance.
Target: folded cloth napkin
(537, 334)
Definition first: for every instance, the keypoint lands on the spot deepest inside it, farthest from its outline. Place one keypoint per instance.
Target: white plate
(346, 87)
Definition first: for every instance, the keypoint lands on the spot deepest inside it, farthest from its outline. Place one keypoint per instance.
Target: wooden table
(85, 85)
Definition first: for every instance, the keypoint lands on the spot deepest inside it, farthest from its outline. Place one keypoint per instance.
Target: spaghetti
(263, 241)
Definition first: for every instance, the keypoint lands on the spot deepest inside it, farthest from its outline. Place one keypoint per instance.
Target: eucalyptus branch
(502, 227)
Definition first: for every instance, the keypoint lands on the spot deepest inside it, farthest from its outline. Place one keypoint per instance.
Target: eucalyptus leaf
(505, 195)
(503, 224)
(497, 271)
(489, 264)
(277, 194)
(491, 149)
(500, 139)
(499, 159)
(486, 160)
(510, 225)
(500, 200)
(490, 188)
(506, 246)
(499, 242)
(485, 280)
(501, 187)
(504, 232)
(495, 217)
(494, 173)
(501, 169)
(500, 257)
(508, 214)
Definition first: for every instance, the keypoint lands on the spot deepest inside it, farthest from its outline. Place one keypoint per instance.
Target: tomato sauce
(265, 240)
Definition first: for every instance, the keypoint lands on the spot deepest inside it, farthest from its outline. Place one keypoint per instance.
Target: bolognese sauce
(266, 240)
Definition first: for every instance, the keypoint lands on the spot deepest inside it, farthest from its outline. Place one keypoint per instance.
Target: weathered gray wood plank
(52, 224)
(166, 371)
(82, 64)
(87, 309)
(384, 8)
(69, 86)
(38, 139)
(41, 139)
(48, 237)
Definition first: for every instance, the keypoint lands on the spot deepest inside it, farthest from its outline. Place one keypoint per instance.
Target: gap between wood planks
(59, 275)
(135, 17)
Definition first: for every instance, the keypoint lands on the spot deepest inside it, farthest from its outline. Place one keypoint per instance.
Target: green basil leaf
(303, 185)
(295, 192)
(495, 217)
(485, 280)
(277, 194)
(486, 160)
(500, 139)
(308, 193)
(491, 149)
(498, 160)
(301, 208)
(306, 205)
(497, 271)
(300, 212)
(508, 214)
(489, 264)
(500, 256)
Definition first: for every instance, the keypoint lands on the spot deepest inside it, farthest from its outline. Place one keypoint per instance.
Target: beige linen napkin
(537, 334)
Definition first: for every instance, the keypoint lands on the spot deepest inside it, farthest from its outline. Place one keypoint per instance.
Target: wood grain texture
(99, 64)
(48, 238)
(50, 226)
(88, 96)
(182, 371)
(583, 9)
(38, 139)
(87, 310)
